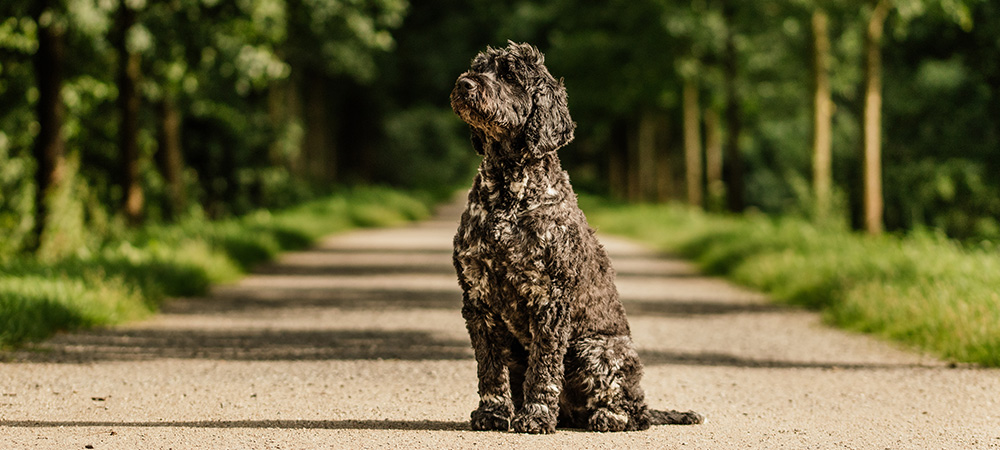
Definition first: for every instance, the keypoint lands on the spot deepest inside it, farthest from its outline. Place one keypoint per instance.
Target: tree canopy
(119, 112)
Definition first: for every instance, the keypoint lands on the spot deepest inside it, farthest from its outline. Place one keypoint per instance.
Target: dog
(550, 336)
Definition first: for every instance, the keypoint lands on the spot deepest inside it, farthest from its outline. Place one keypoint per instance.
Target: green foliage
(343, 37)
(426, 149)
(16, 198)
(239, 73)
(66, 232)
(32, 307)
(920, 289)
(17, 39)
(127, 279)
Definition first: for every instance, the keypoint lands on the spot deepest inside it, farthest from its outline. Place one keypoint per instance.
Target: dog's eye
(508, 77)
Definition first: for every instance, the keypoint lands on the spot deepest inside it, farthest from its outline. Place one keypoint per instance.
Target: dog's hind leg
(606, 371)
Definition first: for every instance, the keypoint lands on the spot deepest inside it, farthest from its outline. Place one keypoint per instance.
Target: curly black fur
(549, 333)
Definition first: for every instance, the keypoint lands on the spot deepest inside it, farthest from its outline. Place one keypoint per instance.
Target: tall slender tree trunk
(713, 158)
(692, 142)
(872, 117)
(733, 163)
(664, 164)
(284, 113)
(320, 155)
(50, 146)
(169, 156)
(633, 185)
(646, 141)
(618, 161)
(128, 107)
(617, 186)
(822, 114)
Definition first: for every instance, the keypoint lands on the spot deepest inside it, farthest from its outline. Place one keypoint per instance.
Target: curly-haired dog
(549, 333)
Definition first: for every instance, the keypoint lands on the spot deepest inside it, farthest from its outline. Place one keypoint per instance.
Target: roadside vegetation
(920, 289)
(127, 278)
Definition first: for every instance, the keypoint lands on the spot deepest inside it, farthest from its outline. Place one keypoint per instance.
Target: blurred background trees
(877, 114)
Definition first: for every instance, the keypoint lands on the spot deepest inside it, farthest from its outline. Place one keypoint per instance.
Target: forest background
(115, 113)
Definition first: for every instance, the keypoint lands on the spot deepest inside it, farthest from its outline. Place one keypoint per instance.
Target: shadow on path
(250, 345)
(425, 425)
(273, 300)
(711, 359)
(682, 308)
(309, 345)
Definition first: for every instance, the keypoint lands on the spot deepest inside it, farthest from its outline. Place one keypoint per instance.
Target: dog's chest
(504, 270)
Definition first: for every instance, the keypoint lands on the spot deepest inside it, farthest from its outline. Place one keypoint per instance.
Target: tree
(713, 158)
(168, 69)
(822, 114)
(169, 156)
(733, 159)
(692, 142)
(327, 44)
(643, 183)
(50, 145)
(872, 117)
(129, 102)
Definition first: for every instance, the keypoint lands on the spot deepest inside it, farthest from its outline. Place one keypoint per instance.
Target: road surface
(359, 343)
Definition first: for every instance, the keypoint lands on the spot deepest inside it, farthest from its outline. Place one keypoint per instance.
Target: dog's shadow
(384, 425)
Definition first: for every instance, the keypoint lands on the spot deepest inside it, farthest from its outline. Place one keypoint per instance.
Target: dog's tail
(671, 417)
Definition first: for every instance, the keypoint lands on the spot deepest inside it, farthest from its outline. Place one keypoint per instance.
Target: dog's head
(509, 95)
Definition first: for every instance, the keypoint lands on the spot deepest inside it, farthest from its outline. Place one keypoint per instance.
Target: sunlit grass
(922, 290)
(128, 279)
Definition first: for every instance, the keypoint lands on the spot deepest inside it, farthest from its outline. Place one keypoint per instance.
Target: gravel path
(359, 343)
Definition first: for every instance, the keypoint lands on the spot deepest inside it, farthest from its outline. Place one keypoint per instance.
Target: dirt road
(359, 343)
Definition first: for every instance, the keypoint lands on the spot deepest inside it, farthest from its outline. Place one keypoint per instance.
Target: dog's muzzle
(466, 86)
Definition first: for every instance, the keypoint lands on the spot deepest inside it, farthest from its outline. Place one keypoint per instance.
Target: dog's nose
(466, 85)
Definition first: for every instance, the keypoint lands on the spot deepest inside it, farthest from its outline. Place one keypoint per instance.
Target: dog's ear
(549, 125)
(478, 141)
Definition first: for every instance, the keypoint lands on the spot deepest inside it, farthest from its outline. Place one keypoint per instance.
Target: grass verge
(127, 280)
(922, 289)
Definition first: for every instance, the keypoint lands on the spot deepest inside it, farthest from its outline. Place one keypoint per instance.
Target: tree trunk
(873, 117)
(646, 141)
(713, 159)
(50, 146)
(618, 162)
(320, 157)
(128, 106)
(822, 115)
(665, 187)
(169, 157)
(284, 113)
(692, 142)
(633, 190)
(733, 164)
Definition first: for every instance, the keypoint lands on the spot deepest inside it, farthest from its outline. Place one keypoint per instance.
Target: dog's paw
(604, 420)
(535, 418)
(491, 418)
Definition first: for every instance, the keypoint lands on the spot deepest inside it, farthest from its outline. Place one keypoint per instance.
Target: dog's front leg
(495, 406)
(544, 378)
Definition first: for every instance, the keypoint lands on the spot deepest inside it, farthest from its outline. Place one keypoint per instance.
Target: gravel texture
(359, 343)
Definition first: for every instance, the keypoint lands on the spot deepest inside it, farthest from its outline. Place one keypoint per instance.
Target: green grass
(922, 289)
(127, 279)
